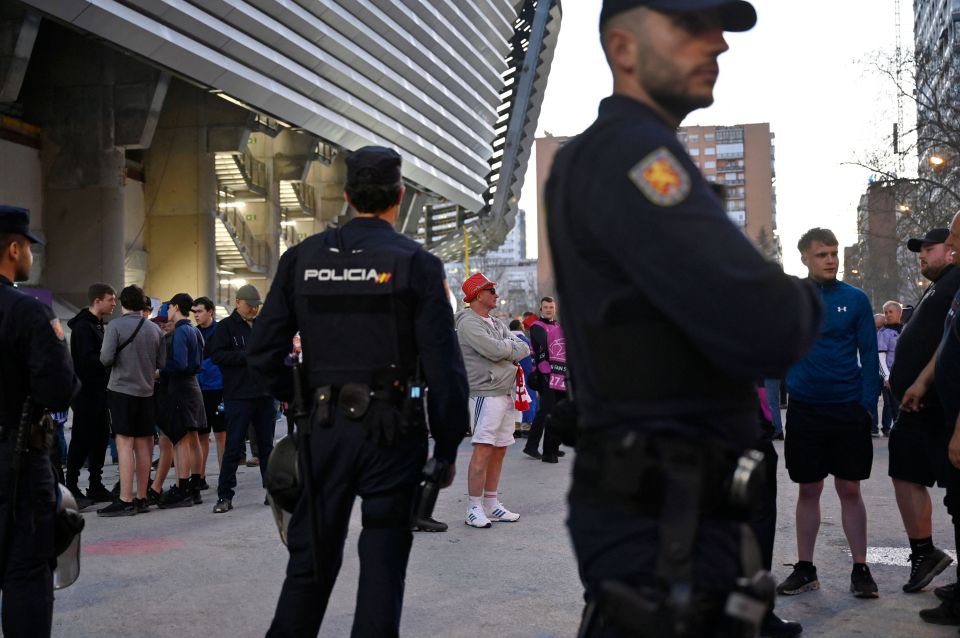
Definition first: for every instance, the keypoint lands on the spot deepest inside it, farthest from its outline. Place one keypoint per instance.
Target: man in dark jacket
(91, 427)
(245, 399)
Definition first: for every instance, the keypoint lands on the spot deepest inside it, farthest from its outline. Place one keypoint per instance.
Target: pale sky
(804, 68)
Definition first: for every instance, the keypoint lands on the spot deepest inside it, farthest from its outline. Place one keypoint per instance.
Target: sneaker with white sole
(476, 518)
(501, 514)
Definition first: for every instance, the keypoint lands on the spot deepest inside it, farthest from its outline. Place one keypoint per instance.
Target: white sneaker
(476, 518)
(501, 514)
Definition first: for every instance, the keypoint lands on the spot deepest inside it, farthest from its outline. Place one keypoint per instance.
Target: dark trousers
(764, 521)
(88, 440)
(551, 442)
(891, 408)
(345, 465)
(26, 547)
(239, 415)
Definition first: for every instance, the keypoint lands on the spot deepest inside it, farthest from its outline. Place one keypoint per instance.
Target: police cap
(373, 165)
(17, 221)
(738, 15)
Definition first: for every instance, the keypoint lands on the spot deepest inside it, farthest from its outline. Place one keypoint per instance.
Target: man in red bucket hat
(490, 352)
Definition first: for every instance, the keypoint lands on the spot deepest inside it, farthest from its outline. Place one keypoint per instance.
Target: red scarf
(521, 400)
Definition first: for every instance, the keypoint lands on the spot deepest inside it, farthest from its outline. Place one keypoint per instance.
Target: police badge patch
(661, 178)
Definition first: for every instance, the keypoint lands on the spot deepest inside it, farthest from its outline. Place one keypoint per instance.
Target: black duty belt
(629, 470)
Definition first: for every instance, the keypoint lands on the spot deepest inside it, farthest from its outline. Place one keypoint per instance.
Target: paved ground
(188, 572)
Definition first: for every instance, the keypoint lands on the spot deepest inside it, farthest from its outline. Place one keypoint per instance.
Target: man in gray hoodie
(133, 350)
(490, 352)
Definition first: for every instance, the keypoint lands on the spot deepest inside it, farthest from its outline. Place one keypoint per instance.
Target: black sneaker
(945, 592)
(550, 458)
(775, 627)
(534, 454)
(561, 453)
(802, 579)
(175, 497)
(203, 485)
(153, 496)
(117, 508)
(99, 494)
(948, 613)
(885, 432)
(924, 569)
(862, 584)
(223, 505)
(195, 495)
(82, 501)
(429, 525)
(141, 505)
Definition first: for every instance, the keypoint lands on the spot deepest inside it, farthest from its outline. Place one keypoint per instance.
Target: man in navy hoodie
(833, 391)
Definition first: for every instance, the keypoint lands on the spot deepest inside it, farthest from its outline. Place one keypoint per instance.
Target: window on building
(694, 152)
(708, 137)
(693, 137)
(710, 164)
(710, 151)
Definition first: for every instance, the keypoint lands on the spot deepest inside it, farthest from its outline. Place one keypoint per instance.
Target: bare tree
(927, 193)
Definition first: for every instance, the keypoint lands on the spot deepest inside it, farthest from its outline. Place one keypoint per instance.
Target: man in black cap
(918, 440)
(377, 331)
(624, 198)
(246, 401)
(35, 364)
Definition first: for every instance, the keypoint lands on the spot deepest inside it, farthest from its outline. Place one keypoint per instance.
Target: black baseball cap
(738, 15)
(17, 220)
(935, 236)
(373, 165)
(183, 301)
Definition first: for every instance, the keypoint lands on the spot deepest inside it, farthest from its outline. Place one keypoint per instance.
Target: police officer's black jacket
(86, 339)
(365, 298)
(670, 312)
(228, 348)
(35, 360)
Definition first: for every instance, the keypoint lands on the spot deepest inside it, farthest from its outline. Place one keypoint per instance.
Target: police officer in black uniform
(376, 327)
(643, 250)
(34, 363)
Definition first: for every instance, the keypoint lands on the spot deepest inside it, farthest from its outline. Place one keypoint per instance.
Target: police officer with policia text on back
(663, 480)
(35, 365)
(377, 331)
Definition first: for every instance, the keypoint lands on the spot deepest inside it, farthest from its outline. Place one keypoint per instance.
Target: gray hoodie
(489, 353)
(133, 370)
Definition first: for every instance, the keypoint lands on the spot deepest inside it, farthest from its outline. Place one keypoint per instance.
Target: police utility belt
(634, 472)
(387, 412)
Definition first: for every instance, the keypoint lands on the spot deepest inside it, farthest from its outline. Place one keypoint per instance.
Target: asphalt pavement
(189, 572)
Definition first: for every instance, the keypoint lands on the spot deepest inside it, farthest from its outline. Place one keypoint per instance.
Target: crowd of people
(155, 378)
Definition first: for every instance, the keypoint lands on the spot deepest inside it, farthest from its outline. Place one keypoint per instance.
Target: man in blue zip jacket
(833, 391)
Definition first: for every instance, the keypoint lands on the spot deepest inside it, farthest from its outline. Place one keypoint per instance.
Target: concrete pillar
(180, 193)
(266, 225)
(83, 174)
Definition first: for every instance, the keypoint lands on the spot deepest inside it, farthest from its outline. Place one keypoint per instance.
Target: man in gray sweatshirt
(490, 352)
(133, 350)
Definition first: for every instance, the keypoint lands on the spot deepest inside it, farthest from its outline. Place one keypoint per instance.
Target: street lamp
(936, 161)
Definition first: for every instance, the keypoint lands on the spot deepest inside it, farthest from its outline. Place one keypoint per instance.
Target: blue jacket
(186, 349)
(209, 377)
(832, 372)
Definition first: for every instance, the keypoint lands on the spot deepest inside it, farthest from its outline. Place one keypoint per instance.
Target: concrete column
(180, 193)
(83, 174)
(266, 226)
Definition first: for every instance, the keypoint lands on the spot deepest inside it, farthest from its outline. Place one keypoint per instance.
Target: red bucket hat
(474, 284)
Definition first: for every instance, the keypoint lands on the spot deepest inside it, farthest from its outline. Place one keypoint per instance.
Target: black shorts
(824, 439)
(918, 448)
(211, 405)
(130, 415)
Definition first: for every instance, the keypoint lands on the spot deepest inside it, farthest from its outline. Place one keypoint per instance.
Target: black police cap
(17, 220)
(738, 15)
(373, 165)
(934, 236)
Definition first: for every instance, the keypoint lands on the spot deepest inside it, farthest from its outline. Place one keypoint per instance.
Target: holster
(679, 482)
